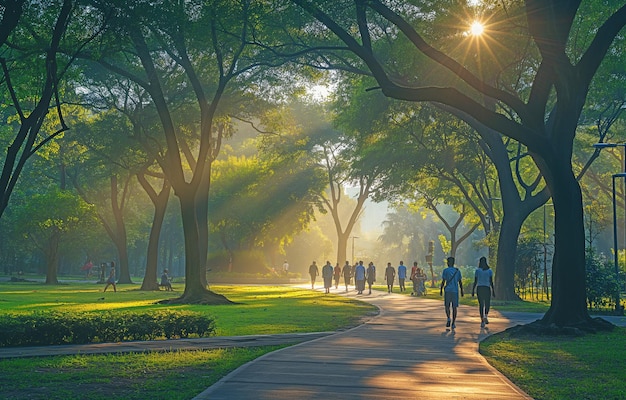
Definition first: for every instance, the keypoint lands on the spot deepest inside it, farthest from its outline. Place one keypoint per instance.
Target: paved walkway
(404, 353)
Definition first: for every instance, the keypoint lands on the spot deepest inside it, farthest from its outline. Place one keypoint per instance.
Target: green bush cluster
(243, 277)
(602, 284)
(54, 327)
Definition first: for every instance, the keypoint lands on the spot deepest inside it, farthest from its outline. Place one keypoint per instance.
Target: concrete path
(404, 353)
(216, 342)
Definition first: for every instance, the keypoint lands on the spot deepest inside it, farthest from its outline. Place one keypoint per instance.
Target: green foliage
(285, 189)
(446, 245)
(268, 278)
(53, 210)
(601, 282)
(246, 261)
(528, 264)
(43, 328)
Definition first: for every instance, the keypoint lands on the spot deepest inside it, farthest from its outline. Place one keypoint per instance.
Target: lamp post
(545, 253)
(353, 237)
(618, 306)
(492, 224)
(429, 261)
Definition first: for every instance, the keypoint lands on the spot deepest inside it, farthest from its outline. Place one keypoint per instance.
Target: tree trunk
(569, 306)
(120, 233)
(203, 229)
(195, 292)
(342, 246)
(152, 255)
(507, 249)
(52, 257)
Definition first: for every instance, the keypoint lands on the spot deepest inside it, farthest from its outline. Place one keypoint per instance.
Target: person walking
(483, 284)
(390, 276)
(347, 274)
(166, 280)
(359, 278)
(413, 278)
(451, 283)
(285, 268)
(402, 276)
(327, 275)
(371, 276)
(337, 275)
(111, 280)
(421, 278)
(313, 272)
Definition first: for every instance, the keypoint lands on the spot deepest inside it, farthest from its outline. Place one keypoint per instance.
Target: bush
(54, 327)
(250, 278)
(601, 283)
(244, 261)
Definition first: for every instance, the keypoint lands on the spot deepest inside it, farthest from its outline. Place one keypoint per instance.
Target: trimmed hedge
(54, 327)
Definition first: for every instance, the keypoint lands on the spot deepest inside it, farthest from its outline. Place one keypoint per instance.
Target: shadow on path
(405, 352)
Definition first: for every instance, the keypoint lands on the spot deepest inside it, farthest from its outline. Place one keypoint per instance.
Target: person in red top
(337, 275)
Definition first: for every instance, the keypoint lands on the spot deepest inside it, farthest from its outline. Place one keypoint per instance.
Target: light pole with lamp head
(545, 253)
(618, 306)
(492, 223)
(353, 237)
(600, 146)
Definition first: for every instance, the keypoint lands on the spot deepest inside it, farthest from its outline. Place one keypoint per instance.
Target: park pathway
(405, 352)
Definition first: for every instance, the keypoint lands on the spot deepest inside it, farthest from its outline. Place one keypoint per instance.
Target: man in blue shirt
(359, 277)
(402, 275)
(451, 282)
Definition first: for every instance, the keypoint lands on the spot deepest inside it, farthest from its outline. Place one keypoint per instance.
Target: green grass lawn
(591, 367)
(259, 309)
(172, 375)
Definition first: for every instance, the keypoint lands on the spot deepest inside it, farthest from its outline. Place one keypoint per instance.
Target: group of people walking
(451, 283)
(367, 275)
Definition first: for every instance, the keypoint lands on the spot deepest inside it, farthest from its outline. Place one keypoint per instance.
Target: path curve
(406, 352)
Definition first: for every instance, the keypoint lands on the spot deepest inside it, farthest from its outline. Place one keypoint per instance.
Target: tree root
(541, 328)
(205, 298)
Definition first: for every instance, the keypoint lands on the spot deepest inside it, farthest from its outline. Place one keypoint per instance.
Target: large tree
(31, 34)
(48, 219)
(544, 121)
(191, 57)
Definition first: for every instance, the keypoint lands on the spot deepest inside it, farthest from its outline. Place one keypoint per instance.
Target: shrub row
(54, 327)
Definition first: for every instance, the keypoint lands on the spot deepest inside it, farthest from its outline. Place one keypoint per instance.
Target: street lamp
(600, 146)
(353, 237)
(491, 221)
(618, 306)
(545, 253)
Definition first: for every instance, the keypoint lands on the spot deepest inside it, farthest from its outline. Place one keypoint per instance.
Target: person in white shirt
(285, 267)
(483, 283)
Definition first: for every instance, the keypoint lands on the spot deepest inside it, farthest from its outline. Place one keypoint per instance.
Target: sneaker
(448, 323)
(482, 324)
(453, 326)
(486, 320)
